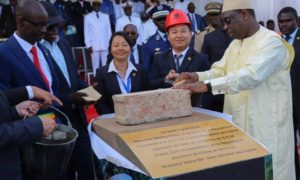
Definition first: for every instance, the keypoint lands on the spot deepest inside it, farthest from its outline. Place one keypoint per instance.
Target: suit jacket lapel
(112, 76)
(187, 60)
(171, 60)
(296, 42)
(72, 76)
(23, 58)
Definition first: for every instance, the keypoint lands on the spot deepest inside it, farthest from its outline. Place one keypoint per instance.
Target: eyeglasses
(37, 24)
(228, 20)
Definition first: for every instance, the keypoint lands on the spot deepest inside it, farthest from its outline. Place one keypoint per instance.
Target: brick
(149, 106)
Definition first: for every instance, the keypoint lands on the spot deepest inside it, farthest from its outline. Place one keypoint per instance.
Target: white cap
(229, 5)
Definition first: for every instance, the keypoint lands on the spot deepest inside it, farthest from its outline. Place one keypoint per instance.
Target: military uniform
(214, 9)
(199, 38)
(154, 45)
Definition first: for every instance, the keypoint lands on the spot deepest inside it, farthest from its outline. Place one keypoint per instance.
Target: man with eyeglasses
(158, 42)
(24, 61)
(254, 75)
(287, 23)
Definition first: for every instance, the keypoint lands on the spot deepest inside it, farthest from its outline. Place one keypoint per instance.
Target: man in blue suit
(15, 133)
(196, 19)
(157, 43)
(82, 156)
(23, 60)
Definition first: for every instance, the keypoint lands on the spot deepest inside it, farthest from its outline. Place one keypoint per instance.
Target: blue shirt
(58, 57)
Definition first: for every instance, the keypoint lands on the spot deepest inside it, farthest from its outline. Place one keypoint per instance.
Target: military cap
(213, 8)
(160, 10)
(126, 5)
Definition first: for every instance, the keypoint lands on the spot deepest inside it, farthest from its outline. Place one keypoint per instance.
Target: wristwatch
(208, 85)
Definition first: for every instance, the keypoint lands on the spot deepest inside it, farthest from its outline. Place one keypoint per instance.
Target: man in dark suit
(7, 20)
(167, 66)
(81, 160)
(78, 9)
(15, 133)
(214, 45)
(287, 22)
(196, 19)
(23, 60)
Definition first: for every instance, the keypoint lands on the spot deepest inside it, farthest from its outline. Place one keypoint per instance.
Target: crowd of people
(230, 62)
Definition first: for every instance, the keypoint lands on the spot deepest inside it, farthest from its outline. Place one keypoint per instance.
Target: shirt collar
(293, 34)
(26, 46)
(43, 41)
(183, 52)
(130, 68)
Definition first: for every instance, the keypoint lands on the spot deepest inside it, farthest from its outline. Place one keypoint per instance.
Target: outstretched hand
(45, 96)
(195, 87)
(188, 77)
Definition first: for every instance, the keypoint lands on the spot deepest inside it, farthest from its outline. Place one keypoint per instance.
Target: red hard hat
(177, 17)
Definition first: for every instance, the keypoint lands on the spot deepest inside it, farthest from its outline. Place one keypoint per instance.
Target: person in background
(287, 23)
(121, 76)
(138, 7)
(195, 19)
(15, 131)
(78, 10)
(262, 23)
(97, 33)
(129, 18)
(166, 66)
(149, 28)
(81, 163)
(119, 12)
(158, 42)
(213, 11)
(256, 83)
(182, 5)
(271, 25)
(169, 3)
(107, 7)
(7, 20)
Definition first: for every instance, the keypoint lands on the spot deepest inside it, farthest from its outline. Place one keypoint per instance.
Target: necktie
(97, 15)
(287, 38)
(132, 57)
(177, 62)
(193, 22)
(129, 18)
(36, 62)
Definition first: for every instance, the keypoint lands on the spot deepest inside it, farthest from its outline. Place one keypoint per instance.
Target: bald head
(32, 20)
(29, 7)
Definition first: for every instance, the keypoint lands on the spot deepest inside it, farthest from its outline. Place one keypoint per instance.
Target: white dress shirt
(130, 68)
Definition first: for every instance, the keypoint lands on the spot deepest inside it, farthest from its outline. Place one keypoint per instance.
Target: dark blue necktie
(177, 62)
(193, 23)
(287, 38)
(132, 57)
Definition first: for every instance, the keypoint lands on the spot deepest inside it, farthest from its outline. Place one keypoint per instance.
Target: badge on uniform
(157, 37)
(157, 50)
(298, 38)
(133, 74)
(189, 58)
